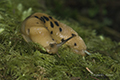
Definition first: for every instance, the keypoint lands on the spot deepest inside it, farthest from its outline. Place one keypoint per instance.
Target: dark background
(101, 15)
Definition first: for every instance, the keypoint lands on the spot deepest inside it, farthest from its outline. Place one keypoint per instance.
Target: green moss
(20, 60)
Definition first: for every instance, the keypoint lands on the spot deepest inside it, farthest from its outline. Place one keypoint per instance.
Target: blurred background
(101, 15)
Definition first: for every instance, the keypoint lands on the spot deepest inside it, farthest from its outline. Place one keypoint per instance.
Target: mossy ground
(28, 61)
